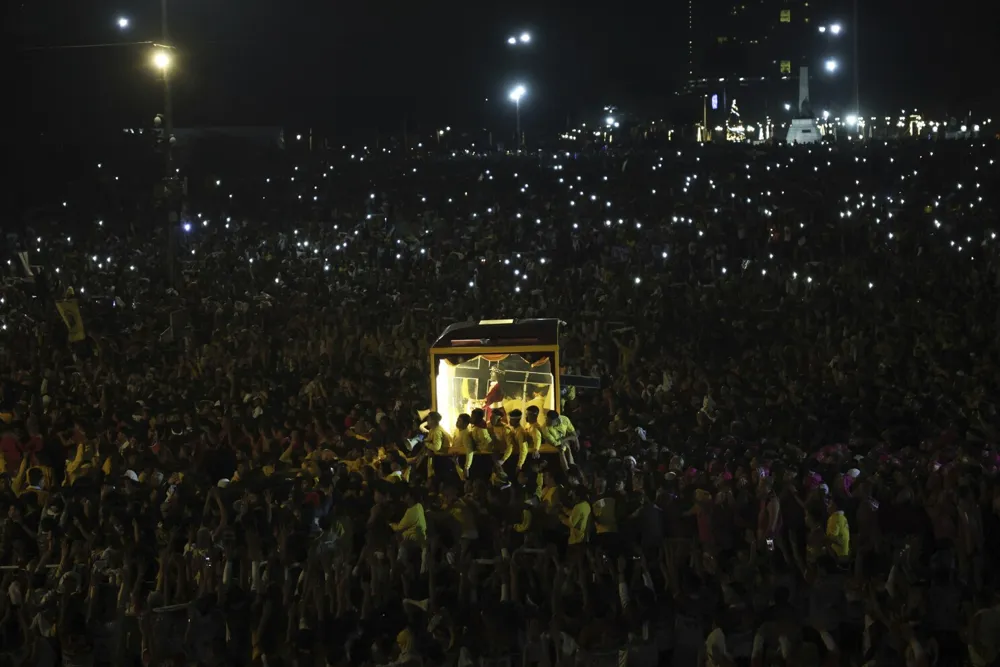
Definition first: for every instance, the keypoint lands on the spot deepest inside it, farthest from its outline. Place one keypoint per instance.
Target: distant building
(751, 50)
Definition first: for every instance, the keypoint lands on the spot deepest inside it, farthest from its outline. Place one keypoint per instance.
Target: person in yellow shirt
(626, 349)
(461, 437)
(532, 431)
(30, 480)
(464, 517)
(481, 438)
(838, 532)
(559, 432)
(506, 435)
(523, 439)
(86, 457)
(437, 438)
(550, 495)
(436, 441)
(577, 519)
(413, 526)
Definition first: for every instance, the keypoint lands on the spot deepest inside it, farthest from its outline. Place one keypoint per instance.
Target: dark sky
(356, 64)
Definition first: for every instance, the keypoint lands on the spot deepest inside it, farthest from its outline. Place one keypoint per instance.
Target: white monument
(804, 129)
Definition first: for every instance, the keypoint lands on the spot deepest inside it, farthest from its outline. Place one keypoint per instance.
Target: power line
(92, 46)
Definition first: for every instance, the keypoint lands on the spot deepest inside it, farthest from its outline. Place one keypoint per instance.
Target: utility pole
(517, 111)
(170, 184)
(168, 105)
(857, 80)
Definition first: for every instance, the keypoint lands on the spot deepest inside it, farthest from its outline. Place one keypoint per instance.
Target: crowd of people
(791, 460)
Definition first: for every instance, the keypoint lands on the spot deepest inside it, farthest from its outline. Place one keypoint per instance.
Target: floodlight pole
(169, 176)
(168, 106)
(517, 112)
(857, 80)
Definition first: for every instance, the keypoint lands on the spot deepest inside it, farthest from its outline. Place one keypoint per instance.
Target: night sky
(362, 66)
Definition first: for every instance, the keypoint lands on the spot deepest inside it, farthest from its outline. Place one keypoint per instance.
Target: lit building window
(786, 66)
(786, 15)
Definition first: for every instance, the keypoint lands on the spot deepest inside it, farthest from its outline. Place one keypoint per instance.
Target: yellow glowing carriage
(494, 365)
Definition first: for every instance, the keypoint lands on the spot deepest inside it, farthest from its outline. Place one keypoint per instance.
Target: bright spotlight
(525, 38)
(835, 28)
(831, 65)
(610, 120)
(852, 120)
(788, 107)
(122, 23)
(518, 93)
(161, 59)
(822, 28)
(826, 115)
(512, 40)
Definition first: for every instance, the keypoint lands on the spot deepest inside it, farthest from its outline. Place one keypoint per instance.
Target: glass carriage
(495, 365)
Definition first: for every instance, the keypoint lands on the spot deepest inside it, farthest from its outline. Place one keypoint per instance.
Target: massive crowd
(791, 460)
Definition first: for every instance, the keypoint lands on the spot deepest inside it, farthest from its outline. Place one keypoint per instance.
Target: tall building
(752, 50)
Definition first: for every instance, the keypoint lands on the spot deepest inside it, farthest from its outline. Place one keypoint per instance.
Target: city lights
(525, 38)
(831, 65)
(517, 93)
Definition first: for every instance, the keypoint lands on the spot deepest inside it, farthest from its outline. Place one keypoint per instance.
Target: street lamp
(122, 23)
(516, 94)
(835, 29)
(161, 59)
(788, 107)
(525, 38)
(610, 121)
(831, 65)
(512, 40)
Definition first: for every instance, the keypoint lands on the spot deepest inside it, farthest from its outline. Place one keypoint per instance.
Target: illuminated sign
(786, 66)
(715, 101)
(786, 16)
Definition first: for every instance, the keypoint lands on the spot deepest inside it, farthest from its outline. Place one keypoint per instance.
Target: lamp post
(516, 95)
(857, 80)
(168, 106)
(163, 62)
